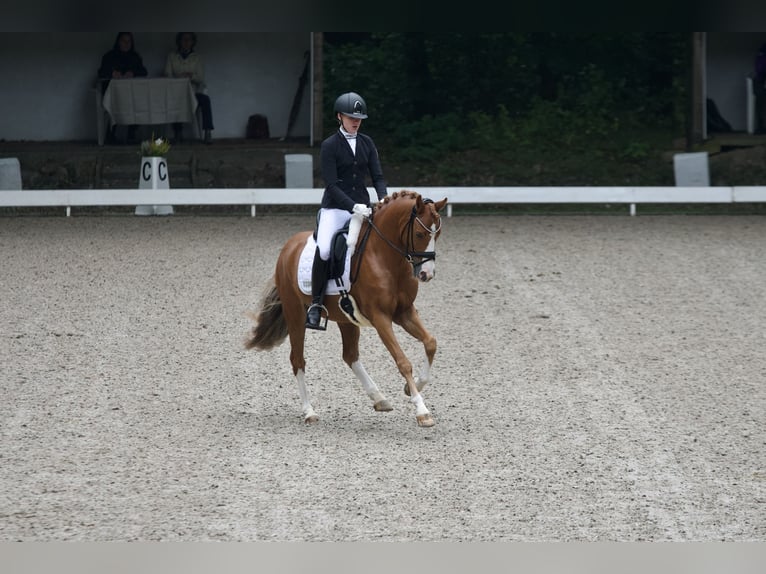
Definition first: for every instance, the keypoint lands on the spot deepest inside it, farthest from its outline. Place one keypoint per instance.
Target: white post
(10, 173)
(299, 170)
(154, 175)
(691, 169)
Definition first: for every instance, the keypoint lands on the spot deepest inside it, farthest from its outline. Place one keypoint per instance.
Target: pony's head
(418, 226)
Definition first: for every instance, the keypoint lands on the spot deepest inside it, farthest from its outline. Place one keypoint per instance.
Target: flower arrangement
(158, 147)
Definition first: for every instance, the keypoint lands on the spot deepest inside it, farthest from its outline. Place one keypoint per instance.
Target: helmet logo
(358, 109)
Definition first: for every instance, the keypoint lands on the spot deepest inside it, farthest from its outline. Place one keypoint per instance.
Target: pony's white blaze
(429, 267)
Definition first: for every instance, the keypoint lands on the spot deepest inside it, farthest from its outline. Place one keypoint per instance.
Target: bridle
(414, 258)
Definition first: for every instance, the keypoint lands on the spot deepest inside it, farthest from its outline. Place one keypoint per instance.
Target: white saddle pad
(305, 264)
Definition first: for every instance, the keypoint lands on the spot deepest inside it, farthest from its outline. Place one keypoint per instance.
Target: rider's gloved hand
(362, 209)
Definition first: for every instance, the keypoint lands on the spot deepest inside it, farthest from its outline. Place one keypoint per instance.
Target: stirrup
(319, 326)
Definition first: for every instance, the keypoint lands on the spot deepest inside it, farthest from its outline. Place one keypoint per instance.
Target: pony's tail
(270, 327)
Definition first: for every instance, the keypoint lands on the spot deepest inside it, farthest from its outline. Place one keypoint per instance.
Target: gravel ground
(597, 379)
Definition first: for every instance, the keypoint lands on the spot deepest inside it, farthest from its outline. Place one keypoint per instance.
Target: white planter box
(154, 175)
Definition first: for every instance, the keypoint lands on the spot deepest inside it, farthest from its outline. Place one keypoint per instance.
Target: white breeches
(330, 221)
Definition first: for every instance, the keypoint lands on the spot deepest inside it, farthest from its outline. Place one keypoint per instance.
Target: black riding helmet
(351, 104)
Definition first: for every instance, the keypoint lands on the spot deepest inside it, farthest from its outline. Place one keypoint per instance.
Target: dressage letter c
(146, 176)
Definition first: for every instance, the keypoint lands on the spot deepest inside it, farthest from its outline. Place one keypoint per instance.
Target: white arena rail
(601, 195)
(253, 197)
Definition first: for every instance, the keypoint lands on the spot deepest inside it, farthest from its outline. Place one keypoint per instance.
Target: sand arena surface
(597, 378)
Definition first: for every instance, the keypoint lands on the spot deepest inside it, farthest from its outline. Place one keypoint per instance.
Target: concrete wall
(47, 79)
(730, 59)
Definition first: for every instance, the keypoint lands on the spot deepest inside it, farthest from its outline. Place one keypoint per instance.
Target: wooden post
(696, 127)
(317, 127)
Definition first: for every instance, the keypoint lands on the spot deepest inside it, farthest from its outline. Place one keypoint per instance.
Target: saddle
(337, 267)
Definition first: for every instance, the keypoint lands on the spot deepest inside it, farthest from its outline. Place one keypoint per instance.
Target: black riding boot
(318, 285)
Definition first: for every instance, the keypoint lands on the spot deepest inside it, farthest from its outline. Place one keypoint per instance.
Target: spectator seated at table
(122, 61)
(184, 62)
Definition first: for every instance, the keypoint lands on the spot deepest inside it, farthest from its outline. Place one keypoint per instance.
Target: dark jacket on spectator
(116, 59)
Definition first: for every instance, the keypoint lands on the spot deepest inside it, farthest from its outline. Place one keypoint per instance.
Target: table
(143, 101)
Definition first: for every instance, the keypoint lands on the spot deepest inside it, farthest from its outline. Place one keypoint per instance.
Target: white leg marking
(368, 384)
(303, 392)
(420, 406)
(424, 375)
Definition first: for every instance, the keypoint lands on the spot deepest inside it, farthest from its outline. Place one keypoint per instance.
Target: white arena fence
(253, 197)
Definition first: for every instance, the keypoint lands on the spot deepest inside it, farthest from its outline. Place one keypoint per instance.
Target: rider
(347, 158)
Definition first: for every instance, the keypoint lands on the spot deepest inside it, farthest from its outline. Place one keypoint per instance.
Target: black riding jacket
(345, 174)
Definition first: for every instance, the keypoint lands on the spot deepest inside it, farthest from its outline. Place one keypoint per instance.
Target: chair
(103, 121)
(198, 119)
(198, 123)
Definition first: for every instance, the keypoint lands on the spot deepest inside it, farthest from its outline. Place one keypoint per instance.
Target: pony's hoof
(406, 389)
(383, 406)
(311, 419)
(425, 420)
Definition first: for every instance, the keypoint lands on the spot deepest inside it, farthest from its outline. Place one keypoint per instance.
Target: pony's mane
(403, 194)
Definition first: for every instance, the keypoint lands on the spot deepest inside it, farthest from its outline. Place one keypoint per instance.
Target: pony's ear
(439, 205)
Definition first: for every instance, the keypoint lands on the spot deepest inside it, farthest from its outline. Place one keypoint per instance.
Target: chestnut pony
(395, 252)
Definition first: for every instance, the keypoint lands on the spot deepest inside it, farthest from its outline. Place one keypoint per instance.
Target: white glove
(362, 209)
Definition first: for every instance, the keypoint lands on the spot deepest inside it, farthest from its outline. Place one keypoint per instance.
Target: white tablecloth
(150, 101)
